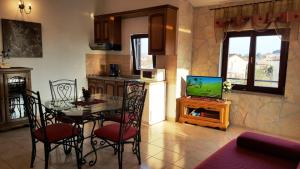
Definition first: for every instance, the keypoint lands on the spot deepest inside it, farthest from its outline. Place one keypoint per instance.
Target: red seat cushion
(57, 132)
(117, 118)
(112, 132)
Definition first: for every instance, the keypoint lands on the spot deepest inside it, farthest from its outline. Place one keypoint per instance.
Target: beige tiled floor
(165, 145)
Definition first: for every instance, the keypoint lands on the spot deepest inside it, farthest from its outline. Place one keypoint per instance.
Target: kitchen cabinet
(110, 87)
(162, 31)
(107, 29)
(119, 88)
(12, 82)
(96, 86)
(106, 85)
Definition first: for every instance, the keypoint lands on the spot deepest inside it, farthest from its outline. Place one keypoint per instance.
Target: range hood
(104, 46)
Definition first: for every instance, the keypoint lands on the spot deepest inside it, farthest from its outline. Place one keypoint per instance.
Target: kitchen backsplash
(98, 64)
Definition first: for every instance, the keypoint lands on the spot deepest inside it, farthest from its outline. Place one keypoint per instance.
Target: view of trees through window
(267, 60)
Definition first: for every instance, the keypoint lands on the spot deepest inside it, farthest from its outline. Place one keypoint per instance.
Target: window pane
(267, 61)
(238, 57)
(146, 60)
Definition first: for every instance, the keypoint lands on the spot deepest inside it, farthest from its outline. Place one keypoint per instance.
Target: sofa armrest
(270, 145)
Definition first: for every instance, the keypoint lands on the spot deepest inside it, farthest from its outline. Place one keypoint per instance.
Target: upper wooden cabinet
(162, 31)
(162, 28)
(107, 29)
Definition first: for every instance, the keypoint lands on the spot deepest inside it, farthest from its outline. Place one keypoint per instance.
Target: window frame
(251, 62)
(136, 36)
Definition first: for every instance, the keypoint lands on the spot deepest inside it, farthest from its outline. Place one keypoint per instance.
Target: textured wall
(270, 113)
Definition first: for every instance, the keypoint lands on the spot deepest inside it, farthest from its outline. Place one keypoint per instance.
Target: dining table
(98, 103)
(82, 111)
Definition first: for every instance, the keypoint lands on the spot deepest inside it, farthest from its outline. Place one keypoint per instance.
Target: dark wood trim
(251, 64)
(139, 12)
(15, 69)
(251, 61)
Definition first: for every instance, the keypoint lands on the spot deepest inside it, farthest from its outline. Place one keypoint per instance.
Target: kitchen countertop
(121, 78)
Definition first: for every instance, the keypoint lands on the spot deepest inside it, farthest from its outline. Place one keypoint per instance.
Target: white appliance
(155, 103)
(153, 74)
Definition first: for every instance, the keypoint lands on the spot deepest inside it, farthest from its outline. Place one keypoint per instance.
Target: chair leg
(138, 153)
(78, 153)
(120, 155)
(46, 151)
(67, 147)
(33, 153)
(136, 148)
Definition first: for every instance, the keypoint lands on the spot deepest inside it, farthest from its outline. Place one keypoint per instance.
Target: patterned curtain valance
(273, 14)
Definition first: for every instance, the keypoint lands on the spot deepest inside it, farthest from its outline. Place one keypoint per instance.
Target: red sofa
(255, 151)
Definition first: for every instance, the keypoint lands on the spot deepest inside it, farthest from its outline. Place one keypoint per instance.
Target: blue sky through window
(265, 44)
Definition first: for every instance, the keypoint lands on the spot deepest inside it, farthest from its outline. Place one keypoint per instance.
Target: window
(255, 61)
(141, 59)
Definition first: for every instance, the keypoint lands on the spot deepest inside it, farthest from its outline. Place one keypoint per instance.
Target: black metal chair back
(43, 127)
(63, 89)
(38, 119)
(133, 105)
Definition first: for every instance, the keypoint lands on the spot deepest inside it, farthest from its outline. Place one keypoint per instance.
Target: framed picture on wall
(22, 39)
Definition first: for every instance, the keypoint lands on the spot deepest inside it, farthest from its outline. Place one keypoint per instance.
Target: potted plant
(227, 88)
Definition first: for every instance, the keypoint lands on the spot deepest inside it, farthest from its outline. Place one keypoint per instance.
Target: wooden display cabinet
(204, 112)
(12, 82)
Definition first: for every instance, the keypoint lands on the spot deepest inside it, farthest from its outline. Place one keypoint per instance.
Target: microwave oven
(153, 74)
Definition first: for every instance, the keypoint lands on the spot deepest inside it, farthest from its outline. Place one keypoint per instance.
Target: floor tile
(166, 145)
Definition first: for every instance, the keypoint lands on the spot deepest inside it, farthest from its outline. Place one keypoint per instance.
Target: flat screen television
(204, 86)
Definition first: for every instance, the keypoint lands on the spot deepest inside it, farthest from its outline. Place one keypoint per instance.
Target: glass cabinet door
(15, 85)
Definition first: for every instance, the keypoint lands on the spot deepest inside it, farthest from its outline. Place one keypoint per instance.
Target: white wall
(131, 26)
(66, 31)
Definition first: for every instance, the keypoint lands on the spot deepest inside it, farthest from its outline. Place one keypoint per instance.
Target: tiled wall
(98, 64)
(274, 114)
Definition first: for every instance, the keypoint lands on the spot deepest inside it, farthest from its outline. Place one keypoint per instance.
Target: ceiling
(198, 3)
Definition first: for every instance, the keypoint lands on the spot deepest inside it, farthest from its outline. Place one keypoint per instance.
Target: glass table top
(108, 103)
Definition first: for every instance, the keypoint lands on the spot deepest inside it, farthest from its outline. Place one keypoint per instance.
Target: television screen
(204, 86)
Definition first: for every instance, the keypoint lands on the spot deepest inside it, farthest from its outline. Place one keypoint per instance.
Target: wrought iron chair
(44, 128)
(128, 131)
(116, 116)
(63, 89)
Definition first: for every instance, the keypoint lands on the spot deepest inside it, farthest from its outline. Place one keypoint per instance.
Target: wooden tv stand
(204, 112)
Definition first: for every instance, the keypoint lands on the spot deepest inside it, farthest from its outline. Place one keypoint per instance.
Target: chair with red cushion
(128, 131)
(116, 116)
(44, 128)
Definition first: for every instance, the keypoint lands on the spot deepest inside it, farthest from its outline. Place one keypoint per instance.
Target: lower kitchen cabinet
(96, 86)
(110, 88)
(102, 86)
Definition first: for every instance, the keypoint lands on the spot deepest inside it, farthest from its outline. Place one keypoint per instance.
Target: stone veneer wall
(270, 113)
